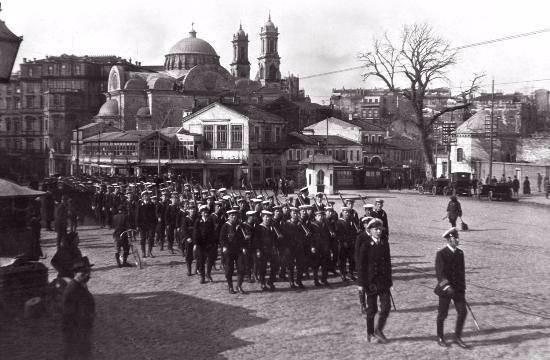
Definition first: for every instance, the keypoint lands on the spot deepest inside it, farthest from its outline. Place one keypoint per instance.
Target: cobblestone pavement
(160, 313)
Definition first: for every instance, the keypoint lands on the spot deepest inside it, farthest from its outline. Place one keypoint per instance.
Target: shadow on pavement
(469, 336)
(433, 308)
(150, 325)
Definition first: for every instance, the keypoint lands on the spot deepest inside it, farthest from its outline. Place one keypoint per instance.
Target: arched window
(459, 154)
(320, 177)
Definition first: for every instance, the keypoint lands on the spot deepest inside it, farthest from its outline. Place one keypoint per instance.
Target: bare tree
(416, 62)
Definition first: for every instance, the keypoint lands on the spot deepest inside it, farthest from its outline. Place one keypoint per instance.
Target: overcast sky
(315, 36)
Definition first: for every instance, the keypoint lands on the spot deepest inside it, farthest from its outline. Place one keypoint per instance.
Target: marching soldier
(120, 224)
(147, 221)
(204, 240)
(171, 219)
(160, 229)
(265, 240)
(360, 241)
(98, 205)
(108, 208)
(248, 229)
(346, 232)
(294, 249)
(451, 285)
(278, 224)
(320, 248)
(353, 214)
(374, 269)
(379, 213)
(302, 198)
(233, 251)
(331, 219)
(186, 223)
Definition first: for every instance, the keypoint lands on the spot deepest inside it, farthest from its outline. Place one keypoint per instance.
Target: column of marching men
(257, 236)
(265, 241)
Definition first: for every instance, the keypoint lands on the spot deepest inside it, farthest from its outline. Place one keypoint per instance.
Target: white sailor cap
(366, 219)
(374, 222)
(250, 213)
(232, 212)
(265, 212)
(203, 208)
(222, 190)
(452, 231)
(368, 206)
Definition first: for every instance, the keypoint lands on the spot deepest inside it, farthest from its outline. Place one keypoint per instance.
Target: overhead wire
(481, 43)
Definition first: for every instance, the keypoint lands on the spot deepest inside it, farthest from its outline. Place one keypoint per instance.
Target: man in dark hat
(78, 314)
(451, 285)
(374, 270)
(380, 213)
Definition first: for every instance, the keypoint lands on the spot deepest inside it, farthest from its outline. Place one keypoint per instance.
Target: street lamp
(9, 47)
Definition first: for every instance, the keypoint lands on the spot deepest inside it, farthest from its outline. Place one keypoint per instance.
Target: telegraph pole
(491, 133)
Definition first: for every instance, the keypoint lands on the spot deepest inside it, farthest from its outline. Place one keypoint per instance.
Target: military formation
(267, 240)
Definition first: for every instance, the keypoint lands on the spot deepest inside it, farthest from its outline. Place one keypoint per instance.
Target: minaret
(240, 67)
(269, 60)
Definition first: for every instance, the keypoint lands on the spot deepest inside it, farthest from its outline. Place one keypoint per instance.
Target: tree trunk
(430, 166)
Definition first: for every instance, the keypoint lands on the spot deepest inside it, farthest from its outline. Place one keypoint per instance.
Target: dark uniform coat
(373, 264)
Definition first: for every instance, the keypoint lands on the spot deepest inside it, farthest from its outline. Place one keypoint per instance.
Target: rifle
(473, 316)
(341, 198)
(211, 187)
(254, 191)
(277, 199)
(364, 202)
(316, 205)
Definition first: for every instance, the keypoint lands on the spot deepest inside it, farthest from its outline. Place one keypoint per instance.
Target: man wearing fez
(451, 285)
(78, 314)
(374, 270)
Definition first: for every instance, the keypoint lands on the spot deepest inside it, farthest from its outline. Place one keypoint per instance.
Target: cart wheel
(490, 195)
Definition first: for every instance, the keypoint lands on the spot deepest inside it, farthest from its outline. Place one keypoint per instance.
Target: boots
(117, 258)
(363, 302)
(189, 273)
(440, 335)
(125, 261)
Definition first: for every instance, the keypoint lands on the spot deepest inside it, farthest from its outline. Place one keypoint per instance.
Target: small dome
(110, 108)
(160, 83)
(193, 45)
(143, 112)
(135, 84)
(269, 25)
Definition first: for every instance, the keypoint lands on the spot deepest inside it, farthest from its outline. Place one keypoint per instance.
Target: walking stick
(393, 302)
(473, 316)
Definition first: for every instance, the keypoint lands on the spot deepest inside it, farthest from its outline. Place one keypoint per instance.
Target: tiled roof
(319, 159)
(401, 142)
(298, 138)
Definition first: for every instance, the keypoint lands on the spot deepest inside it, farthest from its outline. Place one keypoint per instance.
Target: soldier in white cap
(265, 242)
(233, 251)
(451, 285)
(204, 241)
(302, 198)
(375, 278)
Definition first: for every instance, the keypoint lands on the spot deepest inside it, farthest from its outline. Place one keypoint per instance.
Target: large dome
(192, 45)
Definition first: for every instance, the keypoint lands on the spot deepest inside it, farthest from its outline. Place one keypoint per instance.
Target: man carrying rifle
(233, 251)
(302, 198)
(248, 232)
(332, 220)
(346, 232)
(186, 221)
(170, 219)
(379, 213)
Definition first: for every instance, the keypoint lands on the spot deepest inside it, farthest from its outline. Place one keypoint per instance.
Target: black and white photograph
(217, 179)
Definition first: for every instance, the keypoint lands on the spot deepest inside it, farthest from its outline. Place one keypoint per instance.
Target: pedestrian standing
(48, 209)
(451, 285)
(454, 210)
(204, 243)
(60, 222)
(515, 186)
(526, 186)
(78, 314)
(320, 249)
(375, 278)
(265, 242)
